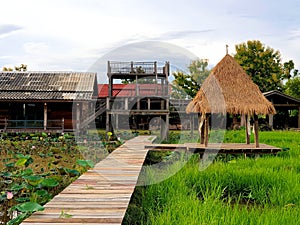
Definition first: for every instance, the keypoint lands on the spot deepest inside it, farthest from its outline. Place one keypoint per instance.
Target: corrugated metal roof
(47, 85)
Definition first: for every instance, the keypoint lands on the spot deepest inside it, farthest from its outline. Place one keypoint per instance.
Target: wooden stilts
(247, 128)
(201, 129)
(256, 131)
(206, 130)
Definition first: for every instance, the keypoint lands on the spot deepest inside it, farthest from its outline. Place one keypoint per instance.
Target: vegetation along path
(102, 194)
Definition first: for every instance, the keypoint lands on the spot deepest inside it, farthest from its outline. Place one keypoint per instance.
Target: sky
(81, 35)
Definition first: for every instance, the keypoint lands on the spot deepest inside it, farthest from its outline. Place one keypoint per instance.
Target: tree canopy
(264, 65)
(187, 85)
(20, 68)
(292, 87)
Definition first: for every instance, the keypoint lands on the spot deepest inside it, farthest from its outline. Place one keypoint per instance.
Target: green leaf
(23, 199)
(33, 180)
(72, 173)
(18, 219)
(17, 187)
(9, 165)
(50, 182)
(26, 172)
(21, 162)
(6, 174)
(29, 161)
(29, 207)
(85, 163)
(21, 156)
(42, 193)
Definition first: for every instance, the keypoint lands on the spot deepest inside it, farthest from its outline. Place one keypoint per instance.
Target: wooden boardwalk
(101, 195)
(221, 148)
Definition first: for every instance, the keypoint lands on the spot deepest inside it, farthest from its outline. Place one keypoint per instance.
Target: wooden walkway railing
(101, 195)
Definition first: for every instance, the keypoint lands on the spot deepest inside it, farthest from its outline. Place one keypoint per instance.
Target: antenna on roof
(227, 49)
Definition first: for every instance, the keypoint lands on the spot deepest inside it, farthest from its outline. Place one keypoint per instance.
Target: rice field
(232, 190)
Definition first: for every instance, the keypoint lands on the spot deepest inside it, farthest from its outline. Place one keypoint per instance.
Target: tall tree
(292, 87)
(263, 64)
(187, 85)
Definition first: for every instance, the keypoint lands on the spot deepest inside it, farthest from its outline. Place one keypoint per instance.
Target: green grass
(238, 191)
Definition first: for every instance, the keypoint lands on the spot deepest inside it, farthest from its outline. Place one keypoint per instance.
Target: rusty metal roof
(48, 85)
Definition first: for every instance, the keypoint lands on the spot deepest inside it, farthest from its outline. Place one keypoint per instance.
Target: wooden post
(5, 123)
(271, 119)
(243, 120)
(63, 124)
(77, 116)
(162, 104)
(206, 130)
(138, 104)
(149, 103)
(201, 129)
(192, 124)
(136, 86)
(167, 127)
(45, 116)
(155, 72)
(247, 129)
(108, 122)
(126, 103)
(117, 121)
(256, 131)
(299, 117)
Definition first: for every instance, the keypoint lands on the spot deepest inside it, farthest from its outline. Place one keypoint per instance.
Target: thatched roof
(229, 89)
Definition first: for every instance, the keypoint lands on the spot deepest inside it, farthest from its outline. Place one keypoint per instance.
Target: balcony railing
(135, 68)
(31, 124)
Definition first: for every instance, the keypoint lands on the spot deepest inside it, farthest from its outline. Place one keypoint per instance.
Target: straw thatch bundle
(228, 89)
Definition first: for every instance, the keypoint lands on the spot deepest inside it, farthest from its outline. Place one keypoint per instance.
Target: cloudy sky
(77, 34)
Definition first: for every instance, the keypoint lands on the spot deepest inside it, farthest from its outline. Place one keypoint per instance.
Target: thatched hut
(228, 89)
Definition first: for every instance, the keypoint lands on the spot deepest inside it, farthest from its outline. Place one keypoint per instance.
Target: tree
(263, 65)
(187, 85)
(292, 87)
(20, 68)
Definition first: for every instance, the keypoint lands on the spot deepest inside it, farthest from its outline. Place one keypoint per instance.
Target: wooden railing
(32, 124)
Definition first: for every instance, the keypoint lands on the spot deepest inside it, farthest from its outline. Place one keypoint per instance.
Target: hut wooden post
(247, 129)
(201, 129)
(206, 125)
(256, 130)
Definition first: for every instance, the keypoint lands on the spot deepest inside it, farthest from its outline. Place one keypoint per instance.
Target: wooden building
(284, 105)
(141, 104)
(45, 100)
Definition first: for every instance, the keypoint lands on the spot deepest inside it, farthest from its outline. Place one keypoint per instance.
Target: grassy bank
(232, 191)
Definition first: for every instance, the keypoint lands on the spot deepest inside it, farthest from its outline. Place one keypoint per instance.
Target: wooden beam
(286, 105)
(256, 130)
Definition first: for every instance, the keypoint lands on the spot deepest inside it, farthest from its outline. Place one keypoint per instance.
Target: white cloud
(73, 34)
(36, 48)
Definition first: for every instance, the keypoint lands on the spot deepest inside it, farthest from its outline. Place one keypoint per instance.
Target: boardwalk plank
(101, 195)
